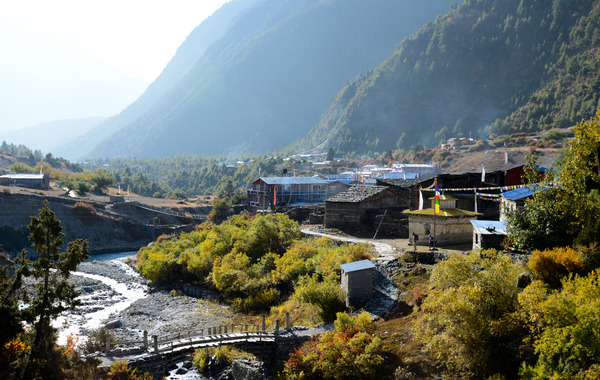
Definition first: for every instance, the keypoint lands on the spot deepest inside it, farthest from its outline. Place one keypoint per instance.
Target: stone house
(451, 227)
(367, 207)
(357, 281)
(488, 234)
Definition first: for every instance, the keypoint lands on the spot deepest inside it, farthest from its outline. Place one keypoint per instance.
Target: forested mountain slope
(488, 66)
(195, 45)
(266, 82)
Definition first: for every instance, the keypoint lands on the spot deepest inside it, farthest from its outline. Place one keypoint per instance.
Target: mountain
(48, 78)
(269, 78)
(48, 137)
(195, 45)
(494, 67)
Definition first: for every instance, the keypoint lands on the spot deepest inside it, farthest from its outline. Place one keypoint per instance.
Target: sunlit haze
(137, 37)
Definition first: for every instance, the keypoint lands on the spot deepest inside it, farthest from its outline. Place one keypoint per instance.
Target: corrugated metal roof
(523, 192)
(293, 180)
(398, 175)
(24, 176)
(357, 265)
(489, 227)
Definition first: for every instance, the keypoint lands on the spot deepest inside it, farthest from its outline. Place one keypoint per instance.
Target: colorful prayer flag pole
(436, 210)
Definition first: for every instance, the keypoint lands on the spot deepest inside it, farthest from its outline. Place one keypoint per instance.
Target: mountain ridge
(481, 69)
(269, 78)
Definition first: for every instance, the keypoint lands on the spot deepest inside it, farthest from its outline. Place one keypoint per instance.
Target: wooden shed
(357, 281)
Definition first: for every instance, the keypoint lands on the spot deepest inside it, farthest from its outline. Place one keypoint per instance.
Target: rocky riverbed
(111, 291)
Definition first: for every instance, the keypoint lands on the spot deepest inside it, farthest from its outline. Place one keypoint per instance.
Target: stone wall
(446, 230)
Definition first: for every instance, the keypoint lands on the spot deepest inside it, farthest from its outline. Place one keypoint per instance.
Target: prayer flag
(420, 200)
(482, 174)
(436, 210)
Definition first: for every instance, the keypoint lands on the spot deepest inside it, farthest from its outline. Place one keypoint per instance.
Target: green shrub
(96, 341)
(200, 358)
(327, 295)
(223, 355)
(468, 322)
(568, 344)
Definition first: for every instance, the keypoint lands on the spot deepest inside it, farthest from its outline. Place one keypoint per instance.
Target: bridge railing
(220, 334)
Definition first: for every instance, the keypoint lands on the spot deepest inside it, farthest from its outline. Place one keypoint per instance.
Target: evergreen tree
(52, 294)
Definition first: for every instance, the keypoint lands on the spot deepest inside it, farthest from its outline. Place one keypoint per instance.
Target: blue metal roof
(293, 180)
(357, 265)
(523, 192)
(489, 227)
(398, 175)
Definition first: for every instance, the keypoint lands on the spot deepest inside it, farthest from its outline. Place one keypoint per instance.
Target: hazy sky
(137, 37)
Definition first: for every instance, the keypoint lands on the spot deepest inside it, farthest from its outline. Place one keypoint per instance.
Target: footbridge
(155, 355)
(185, 340)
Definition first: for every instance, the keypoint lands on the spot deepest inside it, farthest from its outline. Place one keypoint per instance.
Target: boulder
(247, 370)
(113, 324)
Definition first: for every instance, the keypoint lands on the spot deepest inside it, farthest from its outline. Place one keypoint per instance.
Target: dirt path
(383, 249)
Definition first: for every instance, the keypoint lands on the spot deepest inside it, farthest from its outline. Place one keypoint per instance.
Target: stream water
(107, 285)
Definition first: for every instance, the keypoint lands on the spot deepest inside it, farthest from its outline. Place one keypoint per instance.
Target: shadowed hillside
(266, 82)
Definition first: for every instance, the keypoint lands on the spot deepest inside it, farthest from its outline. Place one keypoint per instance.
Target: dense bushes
(348, 352)
(253, 261)
(477, 323)
(468, 324)
(565, 325)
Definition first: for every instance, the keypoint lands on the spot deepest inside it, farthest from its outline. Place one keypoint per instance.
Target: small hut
(357, 281)
(488, 234)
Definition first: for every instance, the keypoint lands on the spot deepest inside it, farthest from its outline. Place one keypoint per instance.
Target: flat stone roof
(356, 194)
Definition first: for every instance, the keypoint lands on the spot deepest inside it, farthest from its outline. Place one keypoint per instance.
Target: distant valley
(48, 78)
(54, 136)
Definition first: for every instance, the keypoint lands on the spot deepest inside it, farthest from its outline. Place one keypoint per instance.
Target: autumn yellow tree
(468, 323)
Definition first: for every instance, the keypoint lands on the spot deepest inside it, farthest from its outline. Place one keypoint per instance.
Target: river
(107, 285)
(112, 291)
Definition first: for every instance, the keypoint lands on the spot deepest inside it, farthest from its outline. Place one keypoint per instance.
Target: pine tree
(52, 294)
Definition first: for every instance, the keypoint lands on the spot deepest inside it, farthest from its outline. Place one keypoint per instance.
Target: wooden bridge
(156, 354)
(205, 337)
